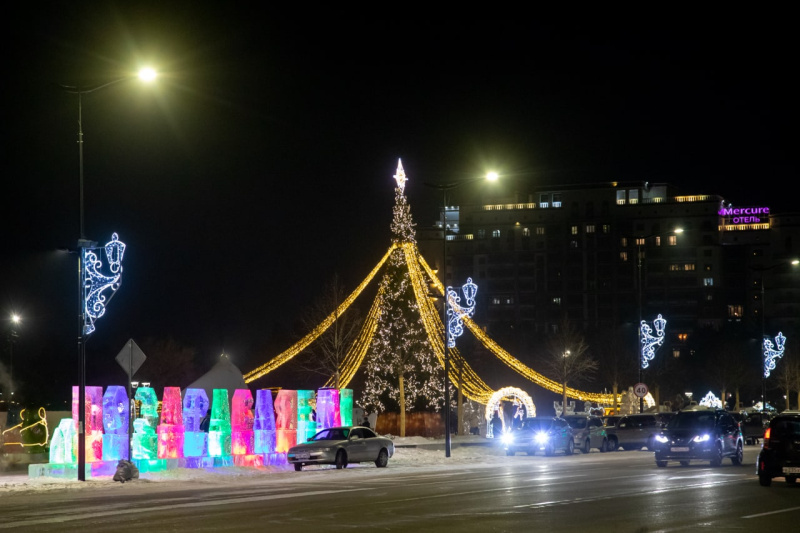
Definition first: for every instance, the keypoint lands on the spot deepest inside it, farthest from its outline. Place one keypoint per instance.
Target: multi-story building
(608, 256)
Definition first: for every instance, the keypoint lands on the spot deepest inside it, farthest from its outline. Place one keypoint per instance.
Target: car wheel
(661, 464)
(739, 457)
(612, 445)
(587, 446)
(791, 480)
(383, 459)
(717, 459)
(570, 447)
(684, 463)
(764, 480)
(298, 467)
(341, 459)
(604, 446)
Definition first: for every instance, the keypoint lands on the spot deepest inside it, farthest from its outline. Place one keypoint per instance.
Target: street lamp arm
(77, 89)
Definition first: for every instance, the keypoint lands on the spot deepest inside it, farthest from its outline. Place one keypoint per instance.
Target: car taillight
(766, 437)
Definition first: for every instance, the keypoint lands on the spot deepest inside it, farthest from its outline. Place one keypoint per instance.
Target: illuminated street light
(12, 337)
(91, 287)
(444, 187)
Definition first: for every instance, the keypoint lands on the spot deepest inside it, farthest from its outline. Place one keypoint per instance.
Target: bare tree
(616, 359)
(169, 363)
(326, 354)
(567, 359)
(788, 374)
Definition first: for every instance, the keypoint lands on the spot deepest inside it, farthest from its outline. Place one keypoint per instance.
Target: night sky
(260, 163)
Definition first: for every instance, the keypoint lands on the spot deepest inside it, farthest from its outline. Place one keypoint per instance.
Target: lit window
(689, 267)
(623, 256)
(496, 300)
(707, 268)
(495, 233)
(683, 336)
(708, 282)
(540, 230)
(574, 230)
(509, 301)
(544, 200)
(676, 353)
(606, 228)
(590, 228)
(672, 240)
(623, 242)
(639, 241)
(735, 311)
(557, 300)
(675, 268)
(556, 200)
(621, 197)
(526, 232)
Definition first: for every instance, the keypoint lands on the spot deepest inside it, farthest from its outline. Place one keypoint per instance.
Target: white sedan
(340, 446)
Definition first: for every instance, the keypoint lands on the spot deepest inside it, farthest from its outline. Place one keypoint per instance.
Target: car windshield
(692, 420)
(576, 422)
(331, 434)
(537, 424)
(786, 427)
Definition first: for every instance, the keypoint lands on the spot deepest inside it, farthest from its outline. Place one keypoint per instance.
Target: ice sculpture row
(240, 428)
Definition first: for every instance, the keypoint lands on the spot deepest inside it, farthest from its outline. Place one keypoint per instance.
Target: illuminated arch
(505, 392)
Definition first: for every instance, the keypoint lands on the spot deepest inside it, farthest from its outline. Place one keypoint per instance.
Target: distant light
(147, 74)
(678, 230)
(795, 262)
(492, 176)
(15, 318)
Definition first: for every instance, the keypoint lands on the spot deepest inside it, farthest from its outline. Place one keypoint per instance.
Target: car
(780, 452)
(540, 433)
(700, 433)
(588, 432)
(632, 432)
(341, 446)
(753, 426)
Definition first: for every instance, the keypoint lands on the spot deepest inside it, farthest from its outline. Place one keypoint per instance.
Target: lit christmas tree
(401, 370)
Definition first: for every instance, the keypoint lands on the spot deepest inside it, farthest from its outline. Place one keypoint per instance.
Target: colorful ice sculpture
(346, 406)
(264, 424)
(285, 420)
(170, 430)
(64, 444)
(242, 436)
(93, 416)
(195, 407)
(328, 415)
(115, 423)
(219, 429)
(144, 443)
(306, 424)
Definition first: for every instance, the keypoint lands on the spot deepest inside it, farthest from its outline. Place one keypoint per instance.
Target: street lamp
(444, 187)
(12, 337)
(768, 351)
(91, 284)
(639, 256)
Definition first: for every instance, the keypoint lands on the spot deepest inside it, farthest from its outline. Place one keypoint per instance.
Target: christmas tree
(401, 369)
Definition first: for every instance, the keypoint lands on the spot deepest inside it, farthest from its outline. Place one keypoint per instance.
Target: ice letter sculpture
(264, 424)
(115, 423)
(64, 444)
(219, 429)
(285, 420)
(170, 430)
(306, 424)
(195, 407)
(328, 415)
(145, 440)
(242, 437)
(346, 406)
(94, 421)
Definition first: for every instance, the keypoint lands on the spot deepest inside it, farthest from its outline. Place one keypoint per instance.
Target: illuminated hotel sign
(744, 215)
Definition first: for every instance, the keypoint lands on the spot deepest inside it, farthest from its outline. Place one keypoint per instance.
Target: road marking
(789, 510)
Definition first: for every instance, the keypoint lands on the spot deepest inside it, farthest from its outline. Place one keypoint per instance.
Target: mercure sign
(744, 215)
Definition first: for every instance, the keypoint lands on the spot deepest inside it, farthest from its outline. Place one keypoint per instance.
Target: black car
(780, 452)
(700, 433)
(632, 432)
(540, 433)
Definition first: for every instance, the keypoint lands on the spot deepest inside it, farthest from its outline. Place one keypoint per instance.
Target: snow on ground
(410, 453)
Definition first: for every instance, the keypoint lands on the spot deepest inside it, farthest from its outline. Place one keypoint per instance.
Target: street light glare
(147, 74)
(492, 176)
(15, 318)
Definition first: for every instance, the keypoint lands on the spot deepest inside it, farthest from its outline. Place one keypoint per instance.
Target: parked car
(632, 432)
(753, 427)
(341, 446)
(780, 453)
(540, 433)
(700, 433)
(588, 432)
(611, 420)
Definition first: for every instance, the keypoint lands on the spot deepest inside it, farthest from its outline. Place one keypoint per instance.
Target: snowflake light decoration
(710, 400)
(773, 352)
(456, 312)
(649, 341)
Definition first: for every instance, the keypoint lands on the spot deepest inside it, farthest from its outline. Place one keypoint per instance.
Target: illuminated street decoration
(710, 400)
(456, 312)
(649, 341)
(346, 406)
(64, 444)
(242, 417)
(306, 424)
(144, 442)
(219, 428)
(93, 412)
(285, 420)
(195, 407)
(115, 423)
(95, 283)
(773, 352)
(507, 392)
(264, 424)
(170, 430)
(400, 177)
(328, 415)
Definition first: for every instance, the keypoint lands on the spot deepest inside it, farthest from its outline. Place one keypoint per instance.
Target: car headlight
(541, 437)
(507, 439)
(662, 439)
(701, 438)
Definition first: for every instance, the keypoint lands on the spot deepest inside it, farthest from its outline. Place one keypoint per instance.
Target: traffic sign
(130, 358)
(640, 390)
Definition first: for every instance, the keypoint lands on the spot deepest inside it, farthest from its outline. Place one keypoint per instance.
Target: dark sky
(260, 164)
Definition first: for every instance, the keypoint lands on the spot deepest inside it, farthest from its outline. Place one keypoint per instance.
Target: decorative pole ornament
(649, 341)
(400, 177)
(95, 283)
(773, 352)
(456, 312)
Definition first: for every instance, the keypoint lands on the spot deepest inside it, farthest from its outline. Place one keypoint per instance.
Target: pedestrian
(365, 423)
(497, 426)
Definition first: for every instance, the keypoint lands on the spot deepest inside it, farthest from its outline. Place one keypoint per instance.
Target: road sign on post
(640, 390)
(130, 358)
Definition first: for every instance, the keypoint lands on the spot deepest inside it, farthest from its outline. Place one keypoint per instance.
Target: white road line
(789, 510)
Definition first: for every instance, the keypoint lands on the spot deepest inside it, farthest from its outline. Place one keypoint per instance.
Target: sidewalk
(438, 444)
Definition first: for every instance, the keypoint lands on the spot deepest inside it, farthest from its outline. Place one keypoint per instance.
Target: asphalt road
(616, 492)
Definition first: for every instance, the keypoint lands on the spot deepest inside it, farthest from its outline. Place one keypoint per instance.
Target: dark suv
(780, 453)
(700, 433)
(540, 433)
(632, 432)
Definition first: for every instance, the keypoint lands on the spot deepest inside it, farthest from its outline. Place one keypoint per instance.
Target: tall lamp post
(444, 187)
(91, 283)
(639, 256)
(12, 337)
(768, 351)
